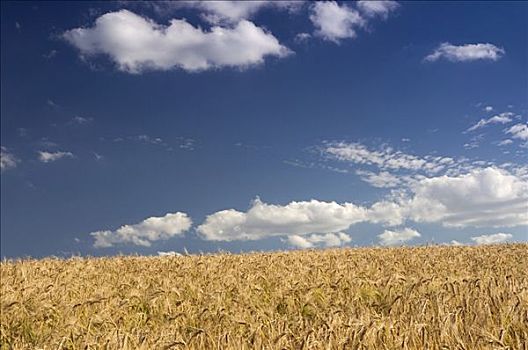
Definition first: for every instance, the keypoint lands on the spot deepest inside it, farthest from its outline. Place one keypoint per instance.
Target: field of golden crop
(367, 298)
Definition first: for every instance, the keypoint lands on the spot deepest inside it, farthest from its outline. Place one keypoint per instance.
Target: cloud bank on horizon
(487, 197)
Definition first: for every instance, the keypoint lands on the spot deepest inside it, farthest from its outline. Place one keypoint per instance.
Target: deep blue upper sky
(308, 124)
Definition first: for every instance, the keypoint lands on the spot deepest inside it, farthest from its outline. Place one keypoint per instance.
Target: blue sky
(147, 127)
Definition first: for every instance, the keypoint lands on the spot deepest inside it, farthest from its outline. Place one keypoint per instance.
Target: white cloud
(488, 108)
(519, 131)
(502, 118)
(302, 37)
(397, 237)
(7, 159)
(147, 139)
(505, 142)
(456, 193)
(81, 120)
(335, 22)
(383, 179)
(226, 11)
(488, 197)
(50, 54)
(147, 231)
(481, 197)
(468, 194)
(466, 53)
(384, 158)
(380, 8)
(47, 157)
(169, 253)
(52, 103)
(492, 238)
(97, 156)
(388, 213)
(137, 44)
(473, 143)
(300, 242)
(267, 220)
(326, 240)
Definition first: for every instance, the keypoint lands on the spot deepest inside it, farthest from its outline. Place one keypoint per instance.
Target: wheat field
(366, 298)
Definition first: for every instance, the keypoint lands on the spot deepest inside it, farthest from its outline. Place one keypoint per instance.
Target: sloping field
(400, 298)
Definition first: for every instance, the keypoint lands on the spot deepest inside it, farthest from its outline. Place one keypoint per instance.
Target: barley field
(366, 298)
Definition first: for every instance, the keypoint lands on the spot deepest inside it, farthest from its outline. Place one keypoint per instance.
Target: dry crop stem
(368, 298)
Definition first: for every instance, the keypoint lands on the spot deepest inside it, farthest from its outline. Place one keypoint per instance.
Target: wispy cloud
(223, 12)
(180, 142)
(466, 53)
(47, 157)
(385, 157)
(505, 142)
(474, 141)
(81, 120)
(502, 118)
(382, 179)
(381, 8)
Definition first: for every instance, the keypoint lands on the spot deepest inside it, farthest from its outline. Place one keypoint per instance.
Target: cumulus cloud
(7, 159)
(267, 220)
(488, 108)
(380, 8)
(519, 131)
(314, 240)
(147, 231)
(47, 157)
(387, 213)
(488, 197)
(453, 192)
(502, 118)
(396, 237)
(492, 238)
(483, 197)
(137, 44)
(335, 22)
(465, 53)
